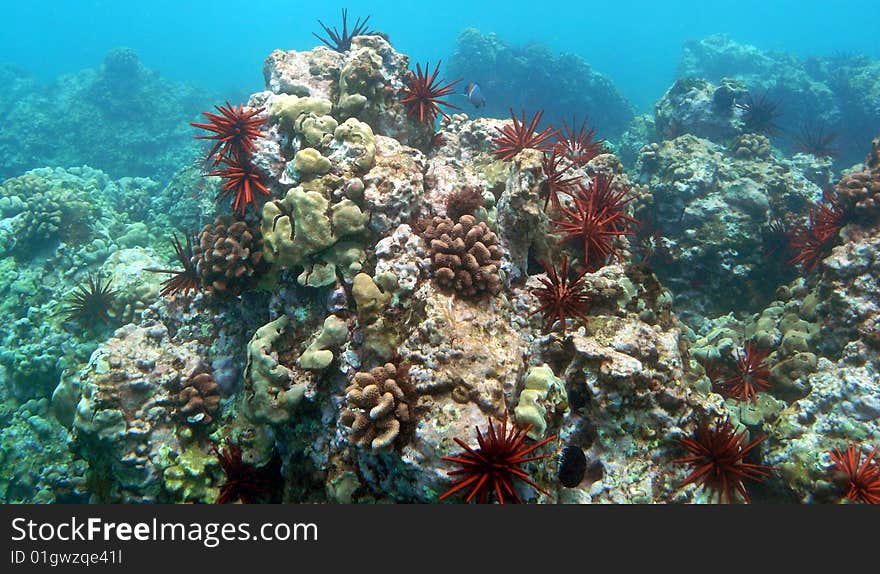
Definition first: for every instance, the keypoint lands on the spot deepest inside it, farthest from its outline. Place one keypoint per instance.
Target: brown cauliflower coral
(378, 406)
(859, 191)
(199, 399)
(229, 256)
(466, 256)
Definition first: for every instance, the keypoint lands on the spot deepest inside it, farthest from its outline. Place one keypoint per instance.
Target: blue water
(220, 45)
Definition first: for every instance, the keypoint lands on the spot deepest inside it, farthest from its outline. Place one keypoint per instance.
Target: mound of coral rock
(379, 329)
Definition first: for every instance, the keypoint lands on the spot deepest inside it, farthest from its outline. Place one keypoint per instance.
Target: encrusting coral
(271, 391)
(306, 230)
(466, 256)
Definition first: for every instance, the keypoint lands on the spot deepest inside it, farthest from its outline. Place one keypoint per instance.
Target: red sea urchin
(863, 477)
(560, 297)
(579, 147)
(422, 94)
(493, 466)
(241, 179)
(717, 454)
(596, 219)
(235, 131)
(248, 483)
(811, 244)
(752, 375)
(519, 136)
(181, 281)
(557, 182)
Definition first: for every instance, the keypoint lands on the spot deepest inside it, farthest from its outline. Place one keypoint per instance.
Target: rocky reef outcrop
(838, 93)
(711, 207)
(122, 118)
(533, 77)
(396, 305)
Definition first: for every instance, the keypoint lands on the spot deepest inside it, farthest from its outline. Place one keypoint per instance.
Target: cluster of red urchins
(811, 244)
(594, 214)
(235, 131)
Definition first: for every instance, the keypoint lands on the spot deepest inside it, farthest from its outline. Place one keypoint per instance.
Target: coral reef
(122, 118)
(715, 202)
(125, 421)
(57, 228)
(406, 275)
(836, 93)
(35, 459)
(696, 106)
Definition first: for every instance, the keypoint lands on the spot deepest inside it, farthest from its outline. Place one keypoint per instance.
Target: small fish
(475, 95)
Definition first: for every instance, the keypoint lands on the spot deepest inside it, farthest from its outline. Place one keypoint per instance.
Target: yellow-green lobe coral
(287, 109)
(342, 487)
(318, 355)
(542, 389)
(370, 300)
(379, 335)
(317, 130)
(358, 80)
(189, 475)
(304, 230)
(358, 137)
(296, 227)
(271, 394)
(309, 161)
